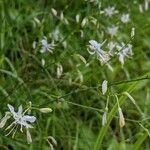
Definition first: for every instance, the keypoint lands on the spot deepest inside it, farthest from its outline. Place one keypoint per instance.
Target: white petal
(121, 59)
(95, 44)
(26, 124)
(30, 119)
(20, 110)
(44, 42)
(11, 108)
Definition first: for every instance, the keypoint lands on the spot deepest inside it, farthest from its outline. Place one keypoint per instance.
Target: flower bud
(59, 70)
(45, 110)
(43, 62)
(29, 139)
(132, 32)
(121, 118)
(104, 118)
(4, 119)
(77, 18)
(104, 87)
(54, 12)
(84, 21)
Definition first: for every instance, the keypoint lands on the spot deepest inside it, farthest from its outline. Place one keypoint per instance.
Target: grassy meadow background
(75, 97)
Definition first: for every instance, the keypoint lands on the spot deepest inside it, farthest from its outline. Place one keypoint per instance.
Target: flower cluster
(113, 48)
(122, 50)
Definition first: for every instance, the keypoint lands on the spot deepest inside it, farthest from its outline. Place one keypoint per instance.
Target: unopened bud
(132, 32)
(77, 18)
(54, 12)
(146, 5)
(61, 16)
(84, 21)
(121, 118)
(29, 139)
(104, 118)
(104, 87)
(59, 70)
(4, 119)
(45, 110)
(43, 62)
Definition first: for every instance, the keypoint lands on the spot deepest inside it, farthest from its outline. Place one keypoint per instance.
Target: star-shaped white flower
(20, 118)
(125, 18)
(112, 30)
(102, 55)
(46, 46)
(124, 51)
(109, 11)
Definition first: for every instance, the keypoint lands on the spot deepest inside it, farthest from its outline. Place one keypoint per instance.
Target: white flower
(104, 87)
(102, 55)
(125, 18)
(46, 46)
(56, 34)
(20, 118)
(124, 51)
(109, 11)
(112, 30)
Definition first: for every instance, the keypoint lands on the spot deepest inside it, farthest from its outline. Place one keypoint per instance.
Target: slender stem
(83, 106)
(128, 81)
(107, 102)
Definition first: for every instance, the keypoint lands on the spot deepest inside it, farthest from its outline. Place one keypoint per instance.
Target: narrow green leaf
(138, 143)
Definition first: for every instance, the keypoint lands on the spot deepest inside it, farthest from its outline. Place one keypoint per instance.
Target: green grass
(75, 97)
